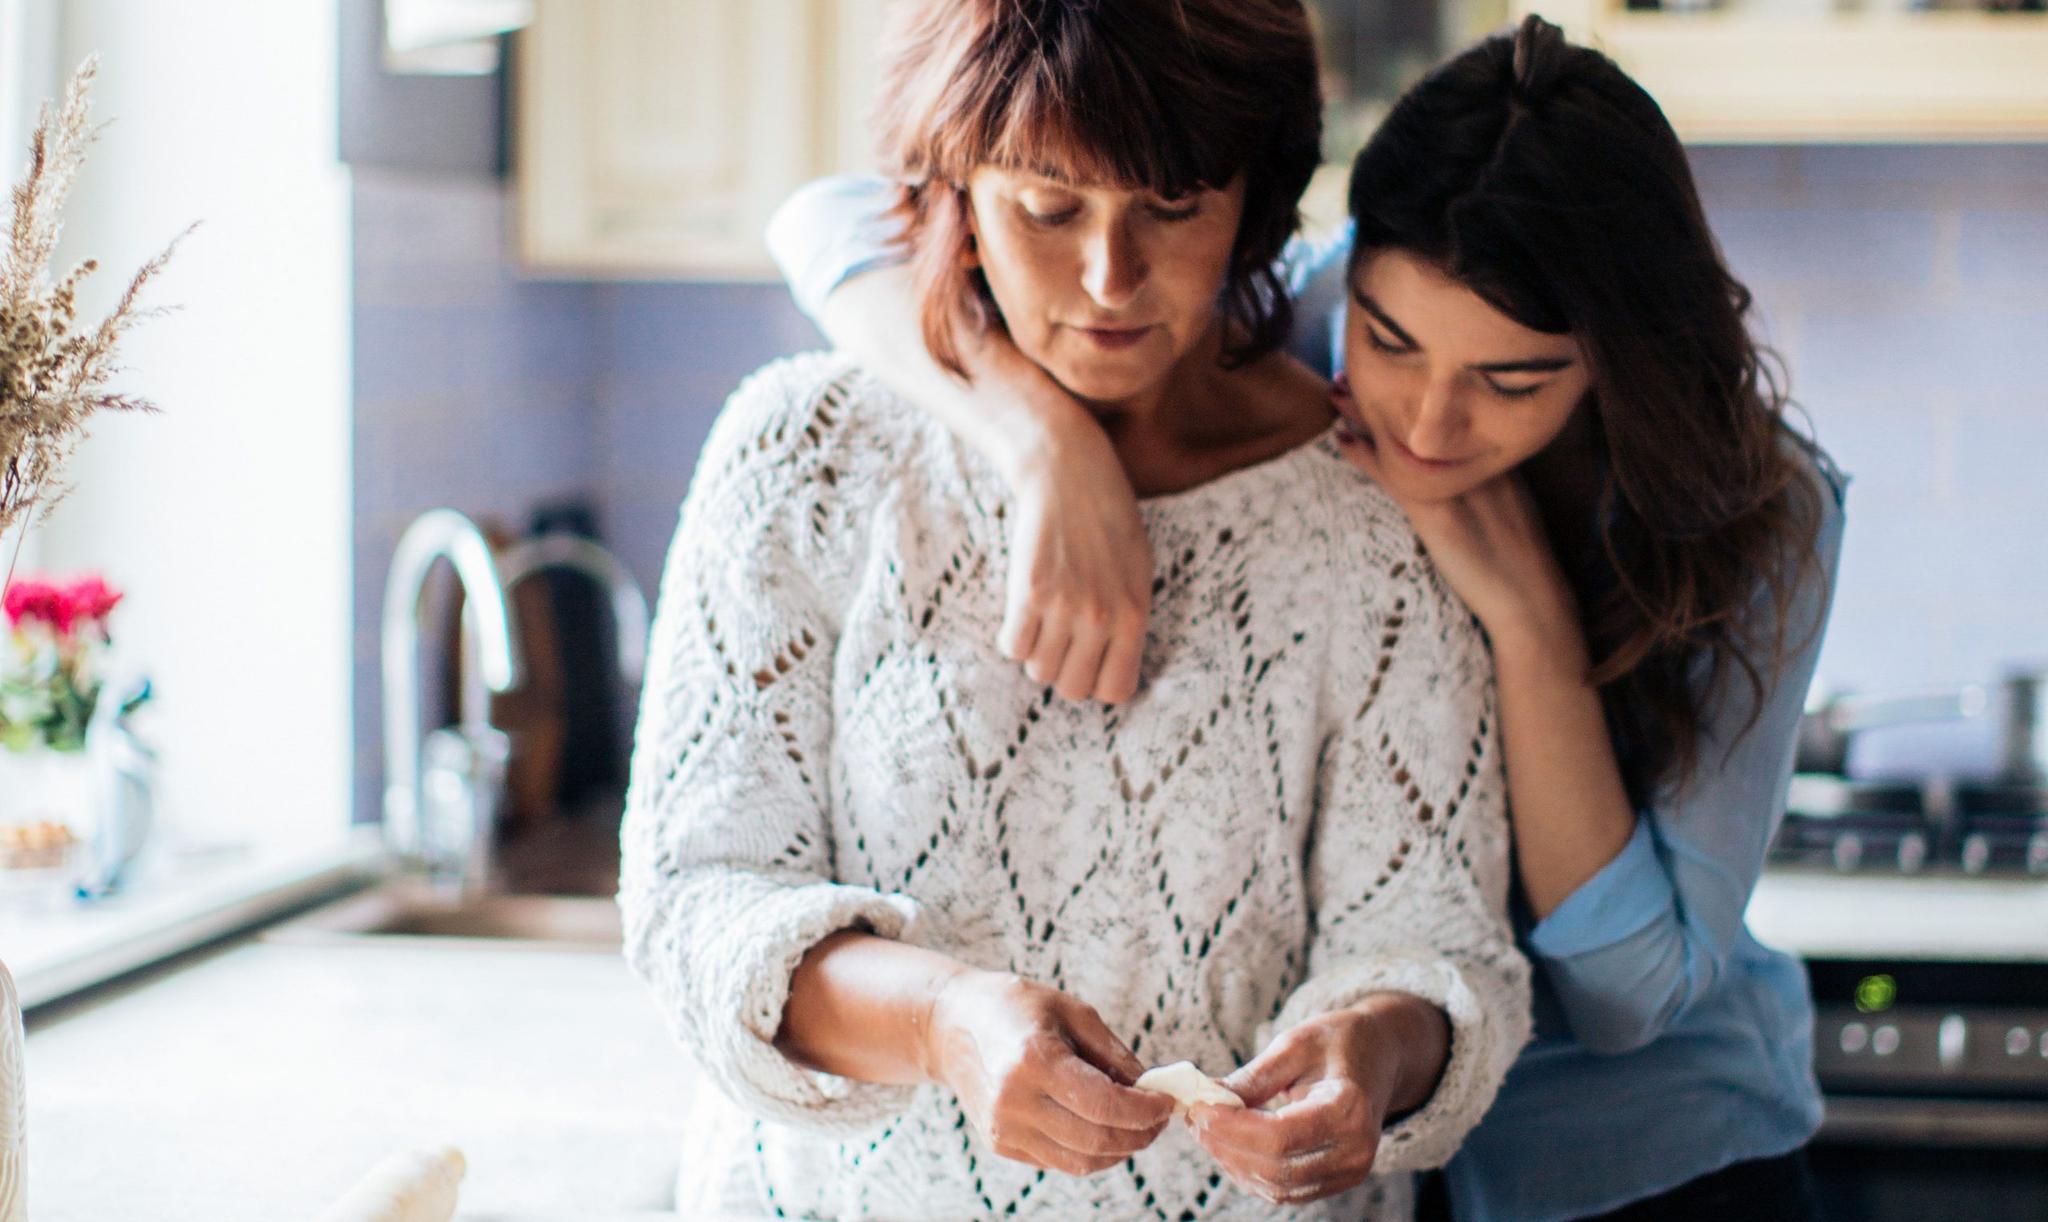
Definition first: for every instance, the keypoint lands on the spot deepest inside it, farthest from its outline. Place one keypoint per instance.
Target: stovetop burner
(1970, 827)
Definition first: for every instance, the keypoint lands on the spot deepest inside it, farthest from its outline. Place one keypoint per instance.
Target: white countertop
(1819, 915)
(259, 1082)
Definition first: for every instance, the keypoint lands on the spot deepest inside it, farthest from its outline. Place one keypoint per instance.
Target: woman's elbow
(1616, 1033)
(1613, 1021)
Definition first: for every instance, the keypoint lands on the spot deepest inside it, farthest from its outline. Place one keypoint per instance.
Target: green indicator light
(1875, 993)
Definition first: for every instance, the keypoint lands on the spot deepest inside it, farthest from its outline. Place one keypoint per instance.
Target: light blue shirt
(1669, 1042)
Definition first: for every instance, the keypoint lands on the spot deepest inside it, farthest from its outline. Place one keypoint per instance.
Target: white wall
(226, 518)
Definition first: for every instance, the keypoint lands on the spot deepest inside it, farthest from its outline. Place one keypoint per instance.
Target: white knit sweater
(1301, 807)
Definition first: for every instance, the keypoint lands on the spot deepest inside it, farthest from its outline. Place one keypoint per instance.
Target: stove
(1935, 1082)
(1921, 914)
(1939, 825)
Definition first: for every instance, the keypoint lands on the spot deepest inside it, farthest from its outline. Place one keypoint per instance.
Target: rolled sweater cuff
(748, 965)
(1487, 1032)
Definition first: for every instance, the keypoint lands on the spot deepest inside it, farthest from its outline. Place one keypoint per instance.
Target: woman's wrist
(1541, 635)
(1048, 424)
(1418, 1037)
(930, 1022)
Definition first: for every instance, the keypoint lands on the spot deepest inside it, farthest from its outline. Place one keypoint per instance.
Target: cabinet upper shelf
(1747, 76)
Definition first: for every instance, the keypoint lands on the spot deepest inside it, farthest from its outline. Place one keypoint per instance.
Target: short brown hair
(1169, 96)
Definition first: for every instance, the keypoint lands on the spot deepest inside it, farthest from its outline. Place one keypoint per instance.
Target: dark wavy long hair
(1540, 176)
(1166, 95)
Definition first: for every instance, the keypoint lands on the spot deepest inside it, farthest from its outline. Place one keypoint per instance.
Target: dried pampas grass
(52, 374)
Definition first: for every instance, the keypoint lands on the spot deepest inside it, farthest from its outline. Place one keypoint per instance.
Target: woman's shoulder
(816, 418)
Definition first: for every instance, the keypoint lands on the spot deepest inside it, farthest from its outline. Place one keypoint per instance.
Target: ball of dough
(1188, 1085)
(417, 1185)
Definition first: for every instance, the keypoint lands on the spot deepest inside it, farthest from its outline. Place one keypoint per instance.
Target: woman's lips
(1114, 337)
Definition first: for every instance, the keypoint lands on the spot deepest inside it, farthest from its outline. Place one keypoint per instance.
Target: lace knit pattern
(1303, 806)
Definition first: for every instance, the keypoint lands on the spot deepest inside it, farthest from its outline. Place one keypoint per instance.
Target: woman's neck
(1203, 421)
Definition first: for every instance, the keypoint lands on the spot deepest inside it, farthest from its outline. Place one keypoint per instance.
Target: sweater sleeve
(1408, 867)
(726, 875)
(1635, 945)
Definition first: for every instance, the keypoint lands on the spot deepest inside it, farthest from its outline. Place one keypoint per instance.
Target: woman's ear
(970, 243)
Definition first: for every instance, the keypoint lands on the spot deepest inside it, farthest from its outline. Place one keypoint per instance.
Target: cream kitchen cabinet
(1871, 70)
(653, 138)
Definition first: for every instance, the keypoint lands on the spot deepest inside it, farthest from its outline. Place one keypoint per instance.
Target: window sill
(69, 948)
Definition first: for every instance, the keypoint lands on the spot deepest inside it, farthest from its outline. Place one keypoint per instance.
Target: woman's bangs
(1043, 128)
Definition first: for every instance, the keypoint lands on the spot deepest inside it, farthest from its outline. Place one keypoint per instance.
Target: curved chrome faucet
(435, 534)
(566, 551)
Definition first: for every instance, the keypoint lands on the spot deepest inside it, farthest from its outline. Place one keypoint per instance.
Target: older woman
(922, 923)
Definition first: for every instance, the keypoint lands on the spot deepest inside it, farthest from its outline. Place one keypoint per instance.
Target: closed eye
(1051, 220)
(1513, 392)
(1372, 337)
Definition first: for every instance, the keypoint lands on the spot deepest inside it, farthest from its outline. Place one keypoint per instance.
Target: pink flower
(38, 601)
(88, 600)
(91, 598)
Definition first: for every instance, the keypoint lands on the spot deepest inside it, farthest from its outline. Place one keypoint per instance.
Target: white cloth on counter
(1302, 806)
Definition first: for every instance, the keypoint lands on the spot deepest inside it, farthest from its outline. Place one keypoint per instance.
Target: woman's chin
(1097, 384)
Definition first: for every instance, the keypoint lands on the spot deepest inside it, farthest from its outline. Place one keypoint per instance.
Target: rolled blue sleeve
(1640, 941)
(829, 231)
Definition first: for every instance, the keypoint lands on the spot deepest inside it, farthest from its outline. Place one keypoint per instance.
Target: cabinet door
(656, 136)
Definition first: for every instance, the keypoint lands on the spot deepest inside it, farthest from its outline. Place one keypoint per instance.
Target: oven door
(1935, 1077)
(1926, 1159)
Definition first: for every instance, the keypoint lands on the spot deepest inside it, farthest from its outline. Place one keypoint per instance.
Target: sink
(409, 908)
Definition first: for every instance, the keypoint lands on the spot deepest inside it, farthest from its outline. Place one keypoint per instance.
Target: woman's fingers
(1096, 1100)
(1118, 680)
(1049, 651)
(1088, 1138)
(1099, 1046)
(1359, 452)
(1085, 647)
(1039, 1149)
(1019, 633)
(1322, 1143)
(1287, 1060)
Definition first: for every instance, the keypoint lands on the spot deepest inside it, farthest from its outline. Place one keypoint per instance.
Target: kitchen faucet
(444, 789)
(563, 550)
(441, 813)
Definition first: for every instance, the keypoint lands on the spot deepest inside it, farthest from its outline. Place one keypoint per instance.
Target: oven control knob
(1848, 851)
(1884, 1041)
(1951, 1040)
(1855, 1038)
(1976, 853)
(2037, 853)
(2017, 1041)
(1912, 852)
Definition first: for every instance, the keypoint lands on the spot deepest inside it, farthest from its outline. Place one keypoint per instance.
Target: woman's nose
(1114, 268)
(1439, 424)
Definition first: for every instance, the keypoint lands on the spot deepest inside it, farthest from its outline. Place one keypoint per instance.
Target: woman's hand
(1489, 543)
(1080, 581)
(1335, 1080)
(1042, 1078)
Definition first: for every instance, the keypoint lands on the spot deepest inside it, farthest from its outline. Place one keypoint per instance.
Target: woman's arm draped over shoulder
(1645, 937)
(726, 878)
(1080, 578)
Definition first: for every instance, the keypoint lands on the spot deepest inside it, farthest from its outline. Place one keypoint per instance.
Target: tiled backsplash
(1906, 287)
